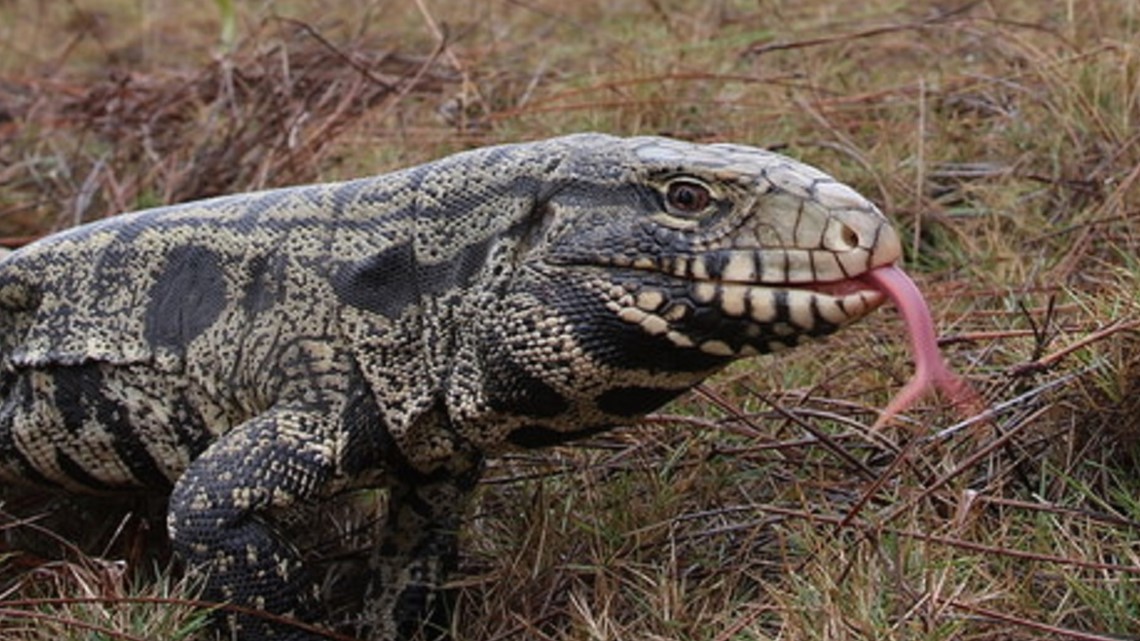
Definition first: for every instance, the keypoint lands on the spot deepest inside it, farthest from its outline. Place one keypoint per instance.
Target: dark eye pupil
(688, 197)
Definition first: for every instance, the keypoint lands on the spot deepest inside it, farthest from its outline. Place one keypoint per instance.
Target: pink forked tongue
(930, 371)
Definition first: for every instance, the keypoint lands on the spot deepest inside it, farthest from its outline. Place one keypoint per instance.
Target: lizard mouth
(734, 319)
(843, 287)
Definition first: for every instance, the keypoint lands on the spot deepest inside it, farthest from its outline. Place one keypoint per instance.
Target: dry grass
(1002, 137)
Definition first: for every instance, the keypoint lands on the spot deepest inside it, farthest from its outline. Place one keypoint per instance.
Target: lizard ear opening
(534, 228)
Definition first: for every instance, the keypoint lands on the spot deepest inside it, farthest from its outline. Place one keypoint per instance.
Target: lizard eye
(687, 197)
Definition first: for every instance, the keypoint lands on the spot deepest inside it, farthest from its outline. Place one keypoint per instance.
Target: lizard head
(657, 262)
(723, 249)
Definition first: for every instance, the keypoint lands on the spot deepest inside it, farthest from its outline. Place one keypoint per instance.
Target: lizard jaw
(747, 319)
(734, 320)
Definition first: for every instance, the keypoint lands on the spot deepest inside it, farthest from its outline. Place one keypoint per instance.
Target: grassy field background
(1002, 137)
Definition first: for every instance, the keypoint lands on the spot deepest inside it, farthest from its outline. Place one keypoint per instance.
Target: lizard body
(255, 353)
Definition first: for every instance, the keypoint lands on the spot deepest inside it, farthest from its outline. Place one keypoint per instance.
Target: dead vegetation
(1002, 137)
(263, 114)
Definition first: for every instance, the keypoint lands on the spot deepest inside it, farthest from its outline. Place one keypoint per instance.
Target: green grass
(1001, 139)
(96, 599)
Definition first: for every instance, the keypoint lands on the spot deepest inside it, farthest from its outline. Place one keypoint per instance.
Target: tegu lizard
(252, 354)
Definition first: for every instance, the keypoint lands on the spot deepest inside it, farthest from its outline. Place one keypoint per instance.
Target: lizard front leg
(419, 548)
(220, 518)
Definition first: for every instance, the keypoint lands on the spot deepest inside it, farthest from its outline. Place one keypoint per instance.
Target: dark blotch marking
(780, 303)
(635, 401)
(189, 427)
(715, 262)
(615, 343)
(368, 437)
(391, 281)
(371, 446)
(266, 286)
(822, 326)
(705, 320)
(81, 398)
(511, 390)
(76, 473)
(758, 268)
(386, 283)
(186, 298)
(19, 398)
(533, 436)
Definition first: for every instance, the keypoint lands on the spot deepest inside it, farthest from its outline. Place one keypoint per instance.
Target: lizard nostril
(845, 236)
(849, 237)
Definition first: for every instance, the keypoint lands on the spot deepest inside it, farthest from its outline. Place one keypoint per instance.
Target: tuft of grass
(89, 598)
(1000, 137)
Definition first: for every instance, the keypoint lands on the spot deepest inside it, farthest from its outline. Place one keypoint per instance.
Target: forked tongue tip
(930, 371)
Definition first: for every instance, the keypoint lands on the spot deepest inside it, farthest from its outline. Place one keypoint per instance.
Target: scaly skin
(255, 354)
